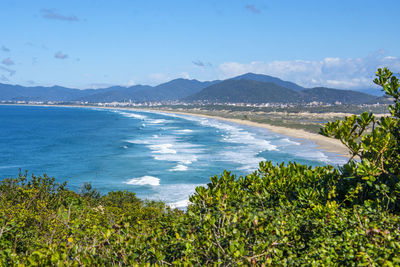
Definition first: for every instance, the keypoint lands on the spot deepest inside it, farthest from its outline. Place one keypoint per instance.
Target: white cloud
(52, 14)
(351, 73)
(5, 49)
(253, 9)
(156, 78)
(131, 83)
(98, 85)
(10, 71)
(185, 75)
(8, 61)
(60, 55)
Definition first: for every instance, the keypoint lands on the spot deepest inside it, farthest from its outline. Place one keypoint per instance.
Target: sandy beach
(324, 143)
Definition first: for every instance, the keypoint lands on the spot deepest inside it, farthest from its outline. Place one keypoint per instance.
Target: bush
(279, 215)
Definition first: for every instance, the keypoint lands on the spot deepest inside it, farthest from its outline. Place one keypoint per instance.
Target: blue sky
(97, 43)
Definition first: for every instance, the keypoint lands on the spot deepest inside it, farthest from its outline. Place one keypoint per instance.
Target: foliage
(253, 91)
(286, 214)
(376, 143)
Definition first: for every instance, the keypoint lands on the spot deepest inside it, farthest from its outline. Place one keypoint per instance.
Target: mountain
(245, 91)
(250, 91)
(172, 90)
(371, 91)
(39, 93)
(247, 88)
(329, 95)
(269, 79)
(114, 94)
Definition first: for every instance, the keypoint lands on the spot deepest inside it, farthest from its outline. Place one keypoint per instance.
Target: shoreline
(324, 143)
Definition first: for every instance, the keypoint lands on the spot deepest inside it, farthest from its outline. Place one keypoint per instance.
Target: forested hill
(250, 91)
(269, 79)
(245, 91)
(329, 95)
(172, 90)
(247, 88)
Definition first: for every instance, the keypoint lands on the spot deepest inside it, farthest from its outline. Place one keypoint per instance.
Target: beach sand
(324, 143)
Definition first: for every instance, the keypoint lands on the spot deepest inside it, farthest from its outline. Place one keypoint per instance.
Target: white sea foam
(138, 142)
(184, 159)
(9, 167)
(179, 167)
(171, 148)
(287, 140)
(313, 154)
(176, 195)
(179, 204)
(131, 115)
(183, 131)
(144, 180)
(245, 146)
(157, 121)
(162, 149)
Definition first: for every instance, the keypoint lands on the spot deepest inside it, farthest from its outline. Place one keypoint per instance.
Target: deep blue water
(155, 155)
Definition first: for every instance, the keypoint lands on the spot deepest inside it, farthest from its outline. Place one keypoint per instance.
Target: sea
(159, 156)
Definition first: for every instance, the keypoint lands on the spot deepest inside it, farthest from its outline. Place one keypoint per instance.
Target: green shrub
(279, 215)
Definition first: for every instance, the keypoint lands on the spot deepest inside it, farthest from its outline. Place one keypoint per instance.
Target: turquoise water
(156, 155)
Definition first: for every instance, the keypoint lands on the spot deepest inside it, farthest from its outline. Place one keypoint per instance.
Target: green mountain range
(247, 88)
(250, 91)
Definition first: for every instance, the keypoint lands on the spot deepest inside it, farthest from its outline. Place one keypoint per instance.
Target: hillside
(269, 79)
(247, 88)
(114, 94)
(39, 93)
(172, 90)
(244, 91)
(329, 95)
(250, 91)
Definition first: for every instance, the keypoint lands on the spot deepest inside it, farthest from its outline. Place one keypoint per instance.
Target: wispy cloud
(53, 14)
(253, 9)
(7, 61)
(99, 85)
(201, 64)
(344, 73)
(157, 78)
(3, 78)
(5, 49)
(60, 55)
(9, 71)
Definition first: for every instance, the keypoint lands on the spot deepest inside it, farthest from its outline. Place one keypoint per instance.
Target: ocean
(158, 156)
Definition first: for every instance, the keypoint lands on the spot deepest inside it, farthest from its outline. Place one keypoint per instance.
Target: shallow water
(156, 155)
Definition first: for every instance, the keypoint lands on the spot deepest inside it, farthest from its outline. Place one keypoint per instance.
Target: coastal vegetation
(308, 118)
(285, 214)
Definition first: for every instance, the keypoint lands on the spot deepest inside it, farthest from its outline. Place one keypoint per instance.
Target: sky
(99, 43)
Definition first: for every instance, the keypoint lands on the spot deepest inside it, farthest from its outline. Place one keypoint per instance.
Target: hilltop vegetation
(244, 91)
(250, 91)
(247, 88)
(279, 215)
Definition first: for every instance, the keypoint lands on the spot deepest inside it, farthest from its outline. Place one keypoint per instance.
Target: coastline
(324, 143)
